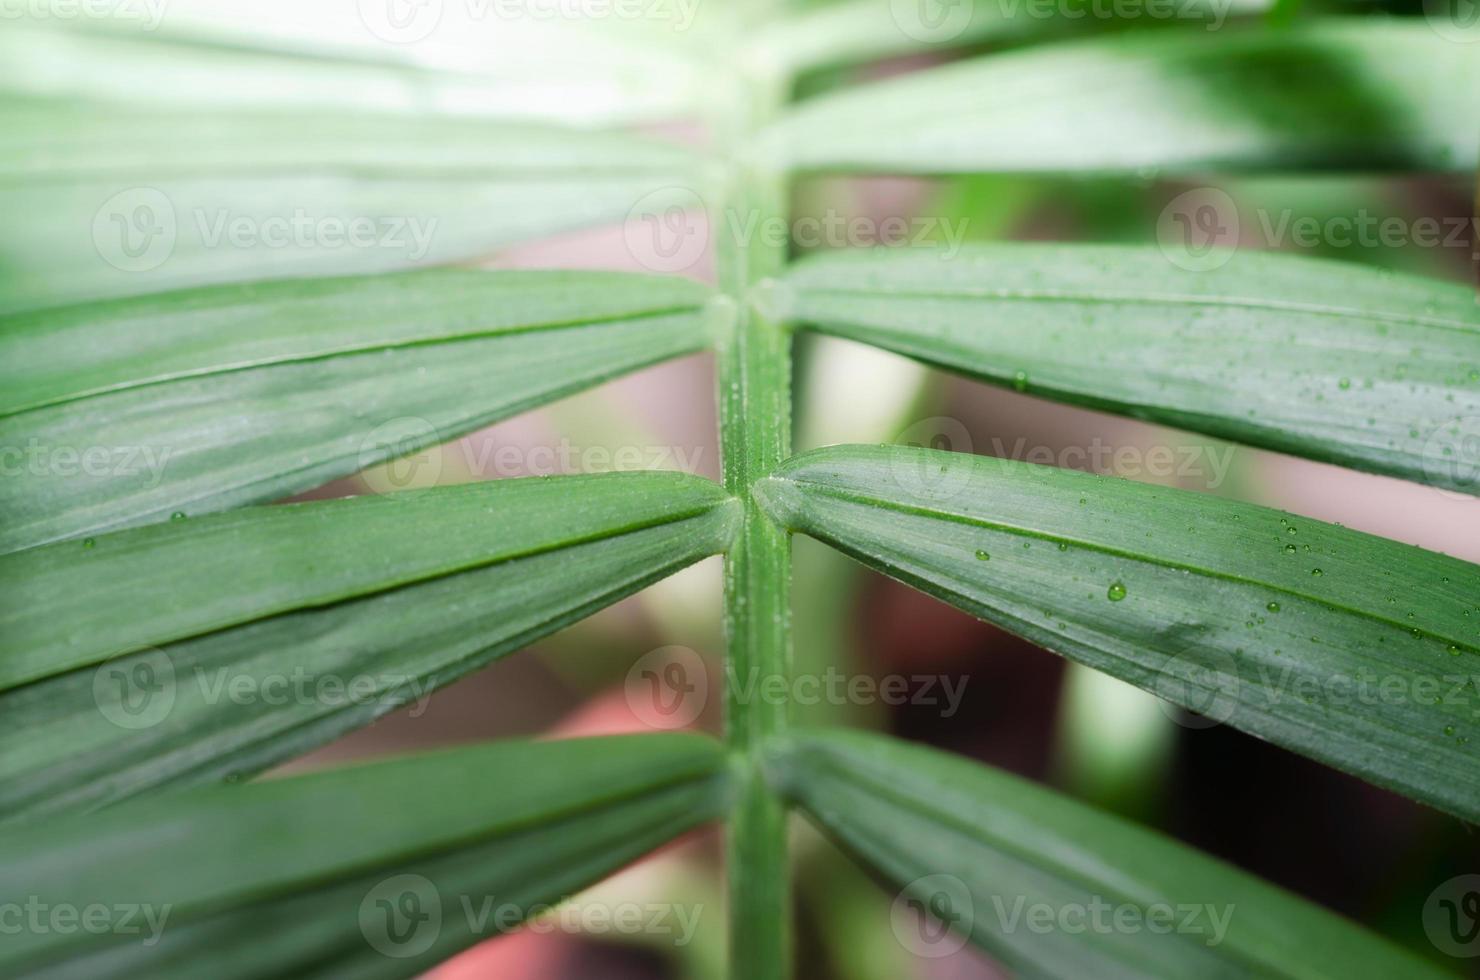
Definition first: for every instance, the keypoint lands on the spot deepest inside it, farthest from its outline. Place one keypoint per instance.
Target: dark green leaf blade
(1349, 648)
(310, 858)
(198, 650)
(1255, 100)
(210, 398)
(1318, 358)
(986, 849)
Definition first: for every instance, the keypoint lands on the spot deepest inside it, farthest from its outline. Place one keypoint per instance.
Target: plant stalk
(754, 382)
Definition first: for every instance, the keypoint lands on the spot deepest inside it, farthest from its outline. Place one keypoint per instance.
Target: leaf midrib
(29, 676)
(484, 334)
(858, 497)
(1144, 299)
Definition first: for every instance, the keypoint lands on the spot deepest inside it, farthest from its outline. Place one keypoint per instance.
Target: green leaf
(1054, 888)
(212, 647)
(848, 31)
(1319, 358)
(124, 412)
(109, 201)
(284, 56)
(303, 876)
(1375, 94)
(1349, 648)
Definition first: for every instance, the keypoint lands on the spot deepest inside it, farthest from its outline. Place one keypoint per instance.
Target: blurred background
(975, 690)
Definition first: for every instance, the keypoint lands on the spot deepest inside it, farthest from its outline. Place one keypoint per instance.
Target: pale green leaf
(285, 55)
(107, 201)
(1374, 94)
(847, 31)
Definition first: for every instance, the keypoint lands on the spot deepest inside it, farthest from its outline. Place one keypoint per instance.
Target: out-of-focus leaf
(1350, 648)
(986, 853)
(1322, 359)
(126, 411)
(350, 57)
(194, 650)
(378, 870)
(106, 201)
(1364, 95)
(849, 31)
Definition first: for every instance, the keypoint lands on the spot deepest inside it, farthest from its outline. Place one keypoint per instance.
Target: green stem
(754, 368)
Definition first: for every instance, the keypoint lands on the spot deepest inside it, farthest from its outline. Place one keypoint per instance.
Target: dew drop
(1316, 573)
(178, 515)
(1454, 649)
(1344, 383)
(1273, 607)
(1290, 549)
(1448, 729)
(1116, 592)
(982, 555)
(88, 542)
(1063, 546)
(1020, 380)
